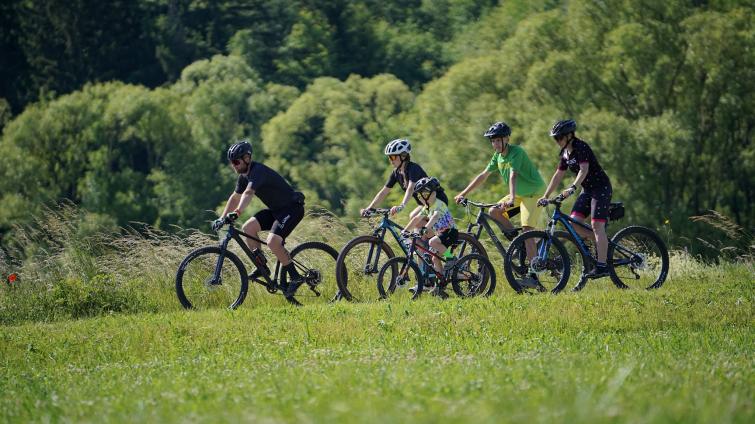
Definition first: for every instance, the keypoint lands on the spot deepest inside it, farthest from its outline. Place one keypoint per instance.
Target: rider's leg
(530, 214)
(415, 212)
(440, 249)
(581, 209)
(275, 243)
(502, 217)
(601, 239)
(252, 227)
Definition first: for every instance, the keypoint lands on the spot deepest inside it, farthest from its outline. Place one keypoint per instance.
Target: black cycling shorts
(593, 202)
(281, 222)
(449, 237)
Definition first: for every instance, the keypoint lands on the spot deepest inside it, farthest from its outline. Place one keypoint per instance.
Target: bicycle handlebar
(554, 201)
(375, 211)
(467, 202)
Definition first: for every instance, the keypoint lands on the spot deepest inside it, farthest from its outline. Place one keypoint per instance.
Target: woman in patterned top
(595, 198)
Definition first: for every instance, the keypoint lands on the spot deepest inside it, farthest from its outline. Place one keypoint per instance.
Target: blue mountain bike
(362, 258)
(637, 257)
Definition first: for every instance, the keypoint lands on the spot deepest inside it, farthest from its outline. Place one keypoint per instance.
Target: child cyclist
(406, 173)
(434, 221)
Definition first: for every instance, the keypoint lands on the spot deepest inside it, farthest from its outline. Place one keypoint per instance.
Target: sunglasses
(236, 162)
(393, 157)
(558, 137)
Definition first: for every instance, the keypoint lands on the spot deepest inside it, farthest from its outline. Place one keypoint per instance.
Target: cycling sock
(291, 269)
(601, 265)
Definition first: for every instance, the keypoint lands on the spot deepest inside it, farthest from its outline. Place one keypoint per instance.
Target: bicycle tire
(648, 262)
(399, 278)
(195, 288)
(581, 264)
(482, 276)
(315, 261)
(555, 266)
(465, 241)
(352, 264)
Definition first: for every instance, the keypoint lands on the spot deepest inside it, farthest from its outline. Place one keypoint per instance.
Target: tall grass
(76, 266)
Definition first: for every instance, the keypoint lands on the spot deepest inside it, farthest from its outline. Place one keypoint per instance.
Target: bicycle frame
(385, 225)
(271, 284)
(427, 264)
(567, 221)
(482, 223)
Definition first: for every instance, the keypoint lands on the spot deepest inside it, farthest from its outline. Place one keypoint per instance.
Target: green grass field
(92, 332)
(680, 354)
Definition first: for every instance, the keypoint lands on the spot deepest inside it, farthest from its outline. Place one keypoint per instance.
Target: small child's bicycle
(470, 275)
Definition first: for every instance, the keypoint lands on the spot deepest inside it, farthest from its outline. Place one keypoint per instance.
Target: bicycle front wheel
(637, 258)
(399, 278)
(473, 275)
(358, 265)
(315, 262)
(204, 282)
(545, 268)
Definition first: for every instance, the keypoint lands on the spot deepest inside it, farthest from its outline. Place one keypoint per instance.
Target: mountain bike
(214, 276)
(360, 260)
(482, 222)
(410, 275)
(637, 257)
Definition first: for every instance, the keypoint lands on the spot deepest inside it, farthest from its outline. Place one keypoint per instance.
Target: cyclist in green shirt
(518, 172)
(523, 179)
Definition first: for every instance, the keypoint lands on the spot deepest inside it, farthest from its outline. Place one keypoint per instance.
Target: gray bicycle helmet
(499, 129)
(427, 184)
(563, 127)
(398, 146)
(238, 150)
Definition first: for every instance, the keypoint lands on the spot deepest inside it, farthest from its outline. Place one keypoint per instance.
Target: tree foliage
(126, 108)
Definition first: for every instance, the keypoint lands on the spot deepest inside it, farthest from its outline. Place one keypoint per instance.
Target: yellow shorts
(528, 209)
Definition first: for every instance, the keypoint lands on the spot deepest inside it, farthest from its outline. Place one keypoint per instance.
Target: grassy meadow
(93, 333)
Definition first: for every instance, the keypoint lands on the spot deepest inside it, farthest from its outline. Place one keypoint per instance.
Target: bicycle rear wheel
(473, 275)
(358, 265)
(466, 244)
(198, 288)
(398, 277)
(315, 262)
(547, 271)
(637, 258)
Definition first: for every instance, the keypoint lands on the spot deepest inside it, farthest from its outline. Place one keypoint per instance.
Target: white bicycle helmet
(398, 146)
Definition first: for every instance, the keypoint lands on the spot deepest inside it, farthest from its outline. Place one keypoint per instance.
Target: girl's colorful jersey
(581, 153)
(528, 178)
(445, 219)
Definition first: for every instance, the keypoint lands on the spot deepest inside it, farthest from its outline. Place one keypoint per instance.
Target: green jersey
(528, 178)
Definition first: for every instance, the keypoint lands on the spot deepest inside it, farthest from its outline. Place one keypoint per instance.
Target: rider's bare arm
(232, 203)
(379, 197)
(246, 197)
(476, 182)
(555, 181)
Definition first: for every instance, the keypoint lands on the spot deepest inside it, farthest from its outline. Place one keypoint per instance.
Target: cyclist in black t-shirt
(406, 173)
(285, 209)
(595, 198)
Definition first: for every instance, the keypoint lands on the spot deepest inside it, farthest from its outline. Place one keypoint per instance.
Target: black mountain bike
(363, 257)
(637, 257)
(213, 276)
(410, 275)
(482, 222)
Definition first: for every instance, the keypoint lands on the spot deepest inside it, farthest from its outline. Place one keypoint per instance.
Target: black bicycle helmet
(563, 127)
(428, 184)
(499, 129)
(238, 150)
